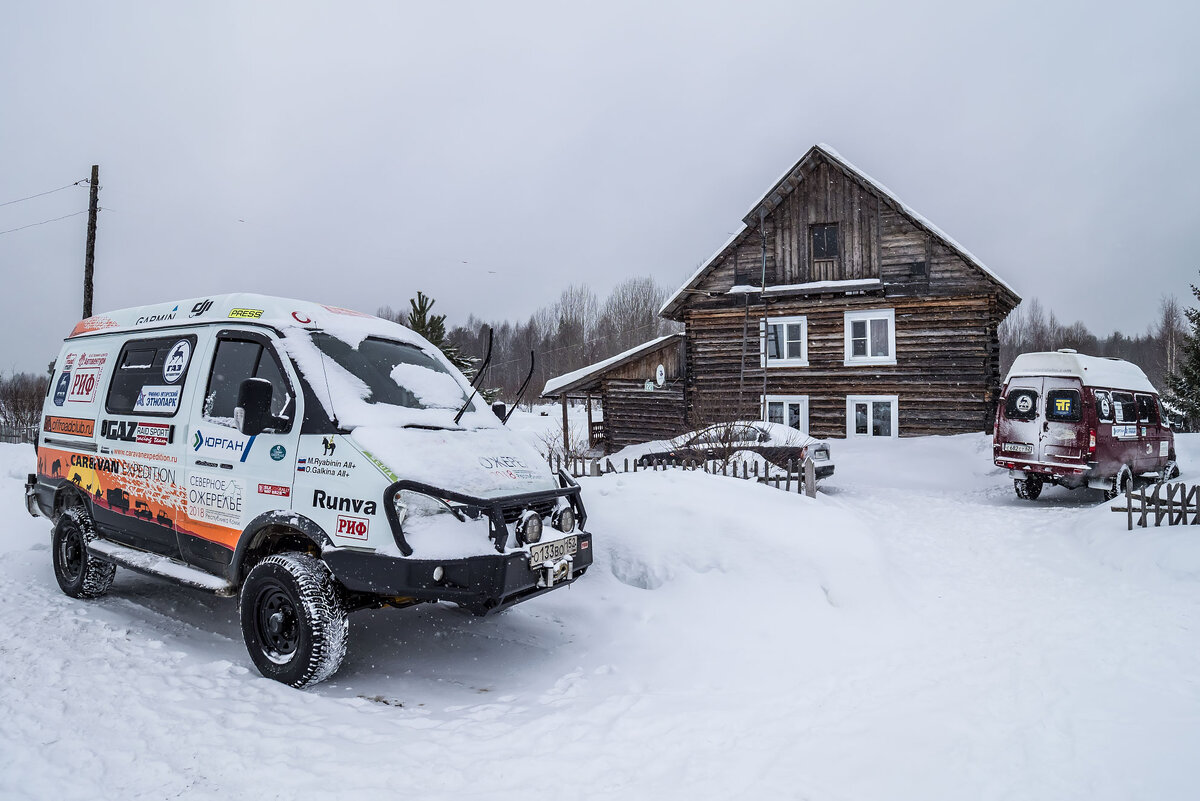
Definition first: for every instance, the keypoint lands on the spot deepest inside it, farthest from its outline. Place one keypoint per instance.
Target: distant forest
(1157, 350)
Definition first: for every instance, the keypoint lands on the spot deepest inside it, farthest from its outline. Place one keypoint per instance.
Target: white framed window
(871, 337)
(788, 410)
(872, 416)
(783, 342)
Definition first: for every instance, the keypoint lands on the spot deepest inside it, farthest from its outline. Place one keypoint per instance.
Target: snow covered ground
(914, 632)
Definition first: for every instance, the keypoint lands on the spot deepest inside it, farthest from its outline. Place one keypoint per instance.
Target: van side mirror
(499, 409)
(253, 411)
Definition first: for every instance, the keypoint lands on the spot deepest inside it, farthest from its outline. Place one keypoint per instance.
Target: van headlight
(563, 519)
(529, 527)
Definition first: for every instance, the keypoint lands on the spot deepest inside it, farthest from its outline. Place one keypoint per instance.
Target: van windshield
(395, 373)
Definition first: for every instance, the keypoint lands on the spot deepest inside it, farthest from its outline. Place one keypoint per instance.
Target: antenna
(328, 394)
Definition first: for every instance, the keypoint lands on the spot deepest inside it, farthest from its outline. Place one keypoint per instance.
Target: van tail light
(1092, 442)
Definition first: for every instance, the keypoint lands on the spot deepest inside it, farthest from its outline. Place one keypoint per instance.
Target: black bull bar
(473, 507)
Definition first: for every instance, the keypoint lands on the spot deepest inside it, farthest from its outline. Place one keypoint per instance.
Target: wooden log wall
(632, 415)
(944, 376)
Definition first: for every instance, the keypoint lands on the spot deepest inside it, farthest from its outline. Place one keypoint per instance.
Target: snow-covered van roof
(241, 307)
(1092, 371)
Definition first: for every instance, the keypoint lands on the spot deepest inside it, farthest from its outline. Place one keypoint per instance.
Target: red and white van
(1075, 420)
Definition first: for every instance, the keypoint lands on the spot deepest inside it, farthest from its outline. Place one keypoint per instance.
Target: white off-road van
(309, 459)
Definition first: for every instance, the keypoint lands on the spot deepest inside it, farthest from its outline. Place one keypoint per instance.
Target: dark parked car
(775, 443)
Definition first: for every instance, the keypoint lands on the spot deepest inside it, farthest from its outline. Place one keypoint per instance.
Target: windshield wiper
(521, 391)
(487, 357)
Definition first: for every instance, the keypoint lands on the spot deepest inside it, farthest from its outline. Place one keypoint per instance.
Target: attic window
(825, 252)
(917, 269)
(825, 241)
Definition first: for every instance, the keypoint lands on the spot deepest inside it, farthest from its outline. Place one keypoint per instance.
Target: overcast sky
(492, 153)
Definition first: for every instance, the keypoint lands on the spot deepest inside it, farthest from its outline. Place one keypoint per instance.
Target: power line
(43, 222)
(41, 194)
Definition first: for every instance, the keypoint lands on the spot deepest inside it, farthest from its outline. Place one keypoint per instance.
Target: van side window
(1124, 407)
(235, 361)
(1064, 406)
(1021, 404)
(149, 376)
(1147, 409)
(1104, 406)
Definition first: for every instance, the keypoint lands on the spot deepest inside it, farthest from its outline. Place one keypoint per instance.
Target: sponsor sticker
(347, 312)
(381, 467)
(246, 314)
(226, 444)
(74, 426)
(157, 399)
(154, 434)
(177, 361)
(1163, 449)
(98, 323)
(278, 452)
(354, 528)
(300, 318)
(215, 499)
(84, 383)
(1124, 432)
(1024, 404)
(201, 307)
(62, 387)
(157, 318)
(277, 490)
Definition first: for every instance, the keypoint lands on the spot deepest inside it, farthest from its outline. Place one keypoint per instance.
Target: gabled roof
(579, 379)
(788, 182)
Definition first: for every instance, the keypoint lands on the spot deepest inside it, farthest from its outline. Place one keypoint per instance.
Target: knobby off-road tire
(293, 619)
(1028, 489)
(79, 574)
(1121, 482)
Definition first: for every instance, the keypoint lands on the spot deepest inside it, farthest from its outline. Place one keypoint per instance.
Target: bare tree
(21, 398)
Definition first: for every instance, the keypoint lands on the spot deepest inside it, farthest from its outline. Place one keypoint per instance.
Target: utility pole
(90, 257)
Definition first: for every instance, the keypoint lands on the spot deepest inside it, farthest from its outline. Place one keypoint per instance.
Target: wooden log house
(838, 309)
(640, 391)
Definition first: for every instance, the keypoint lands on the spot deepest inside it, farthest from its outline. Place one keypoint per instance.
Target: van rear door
(1063, 434)
(1019, 431)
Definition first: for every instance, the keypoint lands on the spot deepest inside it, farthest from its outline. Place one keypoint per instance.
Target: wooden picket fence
(802, 476)
(1162, 507)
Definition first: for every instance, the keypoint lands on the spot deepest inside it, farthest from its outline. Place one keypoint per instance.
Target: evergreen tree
(1183, 386)
(433, 327)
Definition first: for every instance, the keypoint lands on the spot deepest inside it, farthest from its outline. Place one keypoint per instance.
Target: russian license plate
(1017, 447)
(542, 552)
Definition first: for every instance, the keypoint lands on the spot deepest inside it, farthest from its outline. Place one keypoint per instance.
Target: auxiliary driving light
(564, 519)
(530, 527)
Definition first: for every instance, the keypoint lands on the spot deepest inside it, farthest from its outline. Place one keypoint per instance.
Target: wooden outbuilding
(640, 392)
(838, 309)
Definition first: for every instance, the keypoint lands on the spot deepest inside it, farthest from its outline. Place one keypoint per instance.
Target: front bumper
(481, 584)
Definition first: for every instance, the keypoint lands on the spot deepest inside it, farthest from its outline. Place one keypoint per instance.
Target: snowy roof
(811, 287)
(772, 198)
(567, 382)
(1092, 371)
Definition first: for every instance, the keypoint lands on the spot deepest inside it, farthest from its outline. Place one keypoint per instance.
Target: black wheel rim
(70, 555)
(276, 622)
